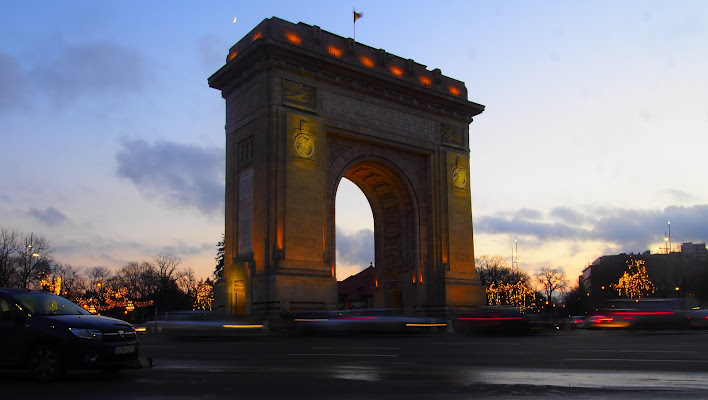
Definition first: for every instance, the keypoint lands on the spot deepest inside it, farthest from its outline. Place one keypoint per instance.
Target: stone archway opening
(396, 242)
(354, 231)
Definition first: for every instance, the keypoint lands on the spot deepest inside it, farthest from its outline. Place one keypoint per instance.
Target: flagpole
(356, 17)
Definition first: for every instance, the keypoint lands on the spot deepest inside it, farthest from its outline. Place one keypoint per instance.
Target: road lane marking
(663, 380)
(633, 351)
(357, 348)
(636, 360)
(342, 354)
(478, 344)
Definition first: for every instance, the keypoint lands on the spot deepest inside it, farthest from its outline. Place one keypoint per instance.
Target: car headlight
(87, 333)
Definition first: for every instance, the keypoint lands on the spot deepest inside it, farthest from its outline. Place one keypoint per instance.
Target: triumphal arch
(306, 108)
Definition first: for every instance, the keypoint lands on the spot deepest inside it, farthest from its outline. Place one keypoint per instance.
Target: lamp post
(31, 255)
(515, 257)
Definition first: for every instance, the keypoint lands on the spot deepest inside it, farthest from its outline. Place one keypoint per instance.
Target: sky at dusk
(594, 136)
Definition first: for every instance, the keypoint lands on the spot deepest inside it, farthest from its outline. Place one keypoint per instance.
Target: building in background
(357, 291)
(677, 274)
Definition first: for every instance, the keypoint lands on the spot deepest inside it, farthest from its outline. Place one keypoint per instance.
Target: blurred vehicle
(49, 334)
(502, 320)
(577, 322)
(363, 321)
(200, 323)
(641, 314)
(698, 318)
(609, 320)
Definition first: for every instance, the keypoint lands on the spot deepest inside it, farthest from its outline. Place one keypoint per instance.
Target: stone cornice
(309, 51)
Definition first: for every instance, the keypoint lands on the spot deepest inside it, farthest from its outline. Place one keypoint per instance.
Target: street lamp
(31, 255)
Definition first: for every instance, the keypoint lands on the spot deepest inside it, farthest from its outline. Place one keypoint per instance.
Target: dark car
(49, 334)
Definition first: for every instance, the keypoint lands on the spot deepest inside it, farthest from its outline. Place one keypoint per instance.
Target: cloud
(49, 216)
(521, 226)
(356, 248)
(527, 213)
(181, 175)
(624, 229)
(86, 69)
(679, 196)
(187, 249)
(13, 81)
(568, 215)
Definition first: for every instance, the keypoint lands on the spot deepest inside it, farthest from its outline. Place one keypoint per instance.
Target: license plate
(125, 349)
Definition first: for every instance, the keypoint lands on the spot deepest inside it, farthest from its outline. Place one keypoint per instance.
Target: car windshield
(42, 303)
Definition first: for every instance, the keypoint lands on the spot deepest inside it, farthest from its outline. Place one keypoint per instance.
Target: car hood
(90, 321)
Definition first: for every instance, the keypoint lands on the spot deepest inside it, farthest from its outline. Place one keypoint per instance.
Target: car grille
(114, 335)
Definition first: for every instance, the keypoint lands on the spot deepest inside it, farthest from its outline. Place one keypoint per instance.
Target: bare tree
(166, 268)
(551, 280)
(495, 270)
(139, 278)
(186, 282)
(33, 260)
(69, 280)
(9, 240)
(96, 277)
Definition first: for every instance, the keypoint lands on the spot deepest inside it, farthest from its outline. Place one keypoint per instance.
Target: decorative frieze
(298, 95)
(386, 119)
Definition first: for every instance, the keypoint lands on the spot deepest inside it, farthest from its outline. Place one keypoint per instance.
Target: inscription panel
(360, 112)
(241, 104)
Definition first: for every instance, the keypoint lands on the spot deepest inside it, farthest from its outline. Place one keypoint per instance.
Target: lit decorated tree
(635, 282)
(516, 294)
(504, 285)
(205, 296)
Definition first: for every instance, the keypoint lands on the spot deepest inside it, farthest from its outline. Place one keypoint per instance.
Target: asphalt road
(553, 364)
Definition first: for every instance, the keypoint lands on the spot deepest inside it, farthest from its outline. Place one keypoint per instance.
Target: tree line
(505, 285)
(136, 291)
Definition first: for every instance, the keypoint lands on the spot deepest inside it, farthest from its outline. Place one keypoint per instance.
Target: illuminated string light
(204, 298)
(516, 294)
(635, 284)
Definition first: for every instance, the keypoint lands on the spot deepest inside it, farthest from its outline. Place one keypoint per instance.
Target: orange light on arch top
(257, 36)
(396, 71)
(293, 38)
(366, 61)
(232, 55)
(454, 90)
(334, 51)
(425, 80)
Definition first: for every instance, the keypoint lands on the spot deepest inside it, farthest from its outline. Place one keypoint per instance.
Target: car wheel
(45, 362)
